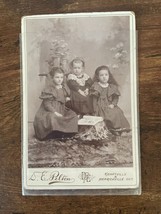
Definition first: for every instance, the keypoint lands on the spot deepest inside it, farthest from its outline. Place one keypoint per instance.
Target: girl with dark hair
(105, 95)
(53, 118)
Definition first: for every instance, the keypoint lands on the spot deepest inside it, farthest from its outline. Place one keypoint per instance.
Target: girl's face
(77, 68)
(103, 76)
(58, 78)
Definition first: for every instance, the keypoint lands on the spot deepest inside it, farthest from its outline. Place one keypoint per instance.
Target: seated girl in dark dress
(105, 95)
(53, 117)
(79, 83)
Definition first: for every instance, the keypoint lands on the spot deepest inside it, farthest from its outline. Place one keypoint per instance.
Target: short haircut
(77, 60)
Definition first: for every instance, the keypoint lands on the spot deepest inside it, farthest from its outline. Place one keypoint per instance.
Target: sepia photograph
(79, 85)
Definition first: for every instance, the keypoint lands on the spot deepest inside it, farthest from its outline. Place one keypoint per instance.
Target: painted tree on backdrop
(118, 49)
(50, 41)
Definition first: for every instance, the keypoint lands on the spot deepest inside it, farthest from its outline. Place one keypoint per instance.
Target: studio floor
(113, 152)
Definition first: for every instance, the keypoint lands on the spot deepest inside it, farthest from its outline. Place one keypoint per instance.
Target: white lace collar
(80, 80)
(103, 85)
(58, 86)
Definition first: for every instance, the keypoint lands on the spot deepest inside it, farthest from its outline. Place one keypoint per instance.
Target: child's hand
(86, 92)
(82, 93)
(58, 114)
(111, 106)
(67, 99)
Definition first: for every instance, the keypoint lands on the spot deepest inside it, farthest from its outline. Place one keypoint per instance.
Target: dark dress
(46, 121)
(79, 103)
(101, 99)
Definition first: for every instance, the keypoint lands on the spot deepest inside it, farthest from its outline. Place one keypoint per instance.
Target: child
(79, 83)
(105, 95)
(53, 116)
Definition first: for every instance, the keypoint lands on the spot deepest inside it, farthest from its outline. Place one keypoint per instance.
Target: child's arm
(94, 95)
(58, 114)
(115, 99)
(89, 83)
(111, 106)
(95, 105)
(114, 96)
(67, 99)
(73, 85)
(86, 92)
(114, 102)
(83, 93)
(48, 105)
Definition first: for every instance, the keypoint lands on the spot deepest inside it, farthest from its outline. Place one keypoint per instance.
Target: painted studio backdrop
(99, 41)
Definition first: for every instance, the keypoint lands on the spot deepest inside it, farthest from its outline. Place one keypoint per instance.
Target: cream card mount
(80, 127)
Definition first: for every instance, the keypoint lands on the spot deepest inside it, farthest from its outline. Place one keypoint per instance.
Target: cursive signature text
(51, 177)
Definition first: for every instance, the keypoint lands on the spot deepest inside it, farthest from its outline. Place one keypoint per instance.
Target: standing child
(79, 83)
(105, 95)
(53, 117)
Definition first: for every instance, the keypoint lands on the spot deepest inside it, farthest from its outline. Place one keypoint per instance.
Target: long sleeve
(94, 94)
(95, 105)
(48, 105)
(73, 85)
(89, 83)
(115, 99)
(113, 94)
